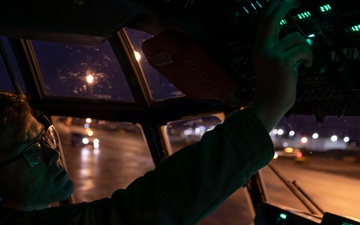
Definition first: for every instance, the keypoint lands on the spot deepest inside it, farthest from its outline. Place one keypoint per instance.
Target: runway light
(292, 133)
(88, 120)
(333, 138)
(85, 141)
(90, 133)
(304, 140)
(315, 136)
(280, 132)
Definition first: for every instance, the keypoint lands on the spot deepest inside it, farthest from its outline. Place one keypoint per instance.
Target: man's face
(33, 188)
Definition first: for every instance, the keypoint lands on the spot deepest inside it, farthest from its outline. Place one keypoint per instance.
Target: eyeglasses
(34, 153)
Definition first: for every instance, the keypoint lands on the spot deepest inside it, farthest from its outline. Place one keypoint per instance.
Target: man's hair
(14, 108)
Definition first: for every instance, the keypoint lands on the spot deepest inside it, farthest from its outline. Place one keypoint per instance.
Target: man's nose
(50, 155)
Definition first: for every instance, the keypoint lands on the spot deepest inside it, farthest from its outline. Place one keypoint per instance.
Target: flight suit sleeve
(197, 179)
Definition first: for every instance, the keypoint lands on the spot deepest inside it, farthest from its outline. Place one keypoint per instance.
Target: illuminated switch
(354, 29)
(303, 16)
(325, 9)
(283, 22)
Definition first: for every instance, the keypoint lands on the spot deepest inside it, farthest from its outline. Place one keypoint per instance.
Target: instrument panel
(269, 214)
(227, 29)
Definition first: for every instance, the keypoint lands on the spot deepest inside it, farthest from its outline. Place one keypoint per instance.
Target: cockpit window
(318, 162)
(81, 72)
(6, 84)
(159, 86)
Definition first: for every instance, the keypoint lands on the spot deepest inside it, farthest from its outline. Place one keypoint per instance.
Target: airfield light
(304, 140)
(333, 138)
(315, 136)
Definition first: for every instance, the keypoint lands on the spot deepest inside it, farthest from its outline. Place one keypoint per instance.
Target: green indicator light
(283, 216)
(325, 8)
(283, 22)
(304, 15)
(259, 4)
(247, 11)
(311, 35)
(346, 223)
(355, 29)
(253, 6)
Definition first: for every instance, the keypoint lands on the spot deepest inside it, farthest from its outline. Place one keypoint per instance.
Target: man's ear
(41, 118)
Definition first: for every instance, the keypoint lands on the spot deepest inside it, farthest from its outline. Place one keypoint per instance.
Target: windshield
(323, 159)
(102, 156)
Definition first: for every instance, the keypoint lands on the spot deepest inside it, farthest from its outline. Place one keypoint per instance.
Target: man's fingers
(269, 27)
(290, 41)
(300, 54)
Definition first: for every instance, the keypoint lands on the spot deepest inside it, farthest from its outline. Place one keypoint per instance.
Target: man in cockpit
(188, 185)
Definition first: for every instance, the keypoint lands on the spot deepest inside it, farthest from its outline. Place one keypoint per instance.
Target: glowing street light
(90, 79)
(137, 56)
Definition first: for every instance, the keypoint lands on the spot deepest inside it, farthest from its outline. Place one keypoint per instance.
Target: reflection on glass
(82, 72)
(120, 156)
(184, 132)
(322, 158)
(160, 87)
(5, 84)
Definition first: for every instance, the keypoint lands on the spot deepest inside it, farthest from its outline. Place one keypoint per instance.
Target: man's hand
(276, 64)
